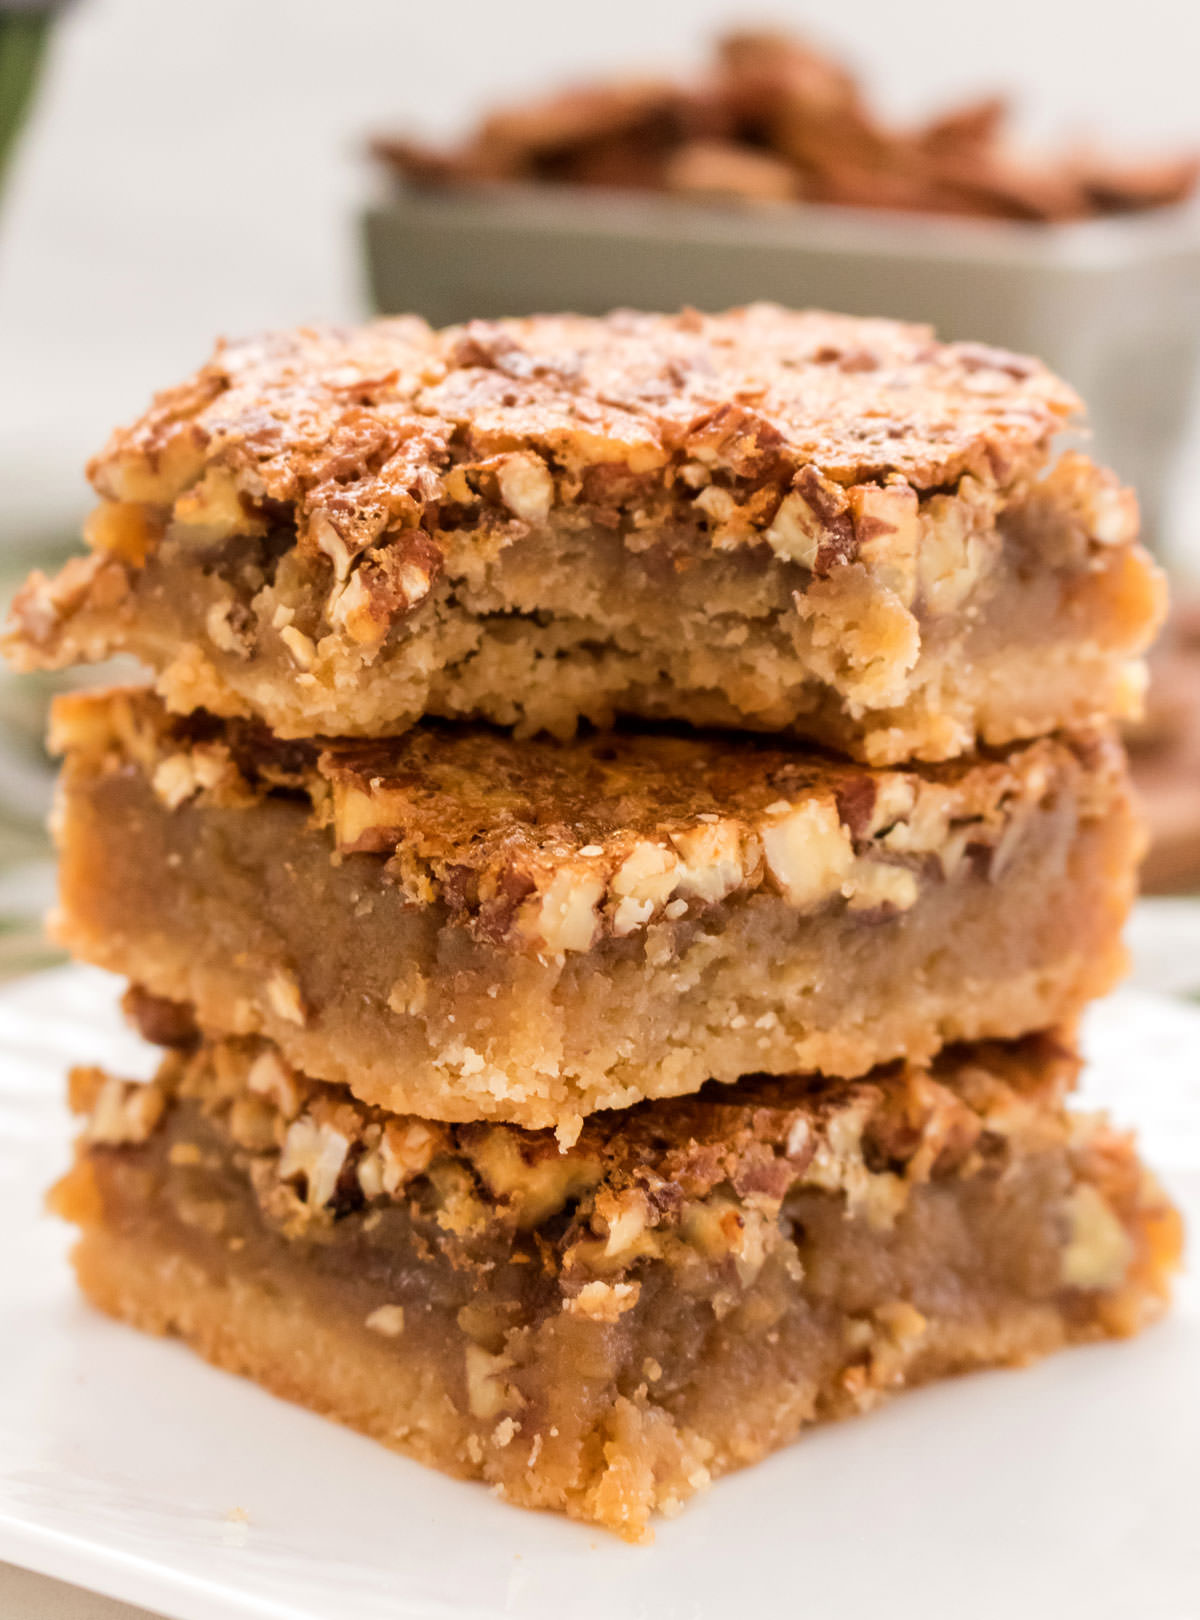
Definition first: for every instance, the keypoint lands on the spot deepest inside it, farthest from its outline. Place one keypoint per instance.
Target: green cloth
(23, 39)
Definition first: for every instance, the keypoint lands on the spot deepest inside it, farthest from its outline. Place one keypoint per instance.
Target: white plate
(126, 1465)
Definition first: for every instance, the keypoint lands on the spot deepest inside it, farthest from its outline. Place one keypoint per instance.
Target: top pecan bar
(795, 522)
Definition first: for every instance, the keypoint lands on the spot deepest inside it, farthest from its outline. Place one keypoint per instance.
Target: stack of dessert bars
(624, 825)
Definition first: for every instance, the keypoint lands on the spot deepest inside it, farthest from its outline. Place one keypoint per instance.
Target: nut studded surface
(783, 522)
(467, 925)
(308, 413)
(604, 1331)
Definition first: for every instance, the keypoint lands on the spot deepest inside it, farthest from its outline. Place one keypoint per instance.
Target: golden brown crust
(551, 845)
(788, 523)
(370, 421)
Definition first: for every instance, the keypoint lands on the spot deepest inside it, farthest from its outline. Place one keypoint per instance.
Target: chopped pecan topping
(709, 1174)
(737, 439)
(547, 847)
(813, 526)
(388, 583)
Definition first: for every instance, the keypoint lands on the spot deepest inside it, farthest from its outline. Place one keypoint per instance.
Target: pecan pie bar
(603, 1331)
(467, 925)
(784, 522)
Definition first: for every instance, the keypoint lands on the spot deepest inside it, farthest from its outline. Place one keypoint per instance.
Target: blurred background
(192, 170)
(195, 169)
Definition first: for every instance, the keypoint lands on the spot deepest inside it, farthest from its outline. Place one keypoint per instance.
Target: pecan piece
(159, 1021)
(390, 582)
(736, 438)
(813, 525)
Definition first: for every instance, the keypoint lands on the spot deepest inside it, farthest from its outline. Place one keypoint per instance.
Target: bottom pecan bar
(606, 1329)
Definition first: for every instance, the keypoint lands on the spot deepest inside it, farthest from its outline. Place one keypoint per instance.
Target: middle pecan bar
(466, 925)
